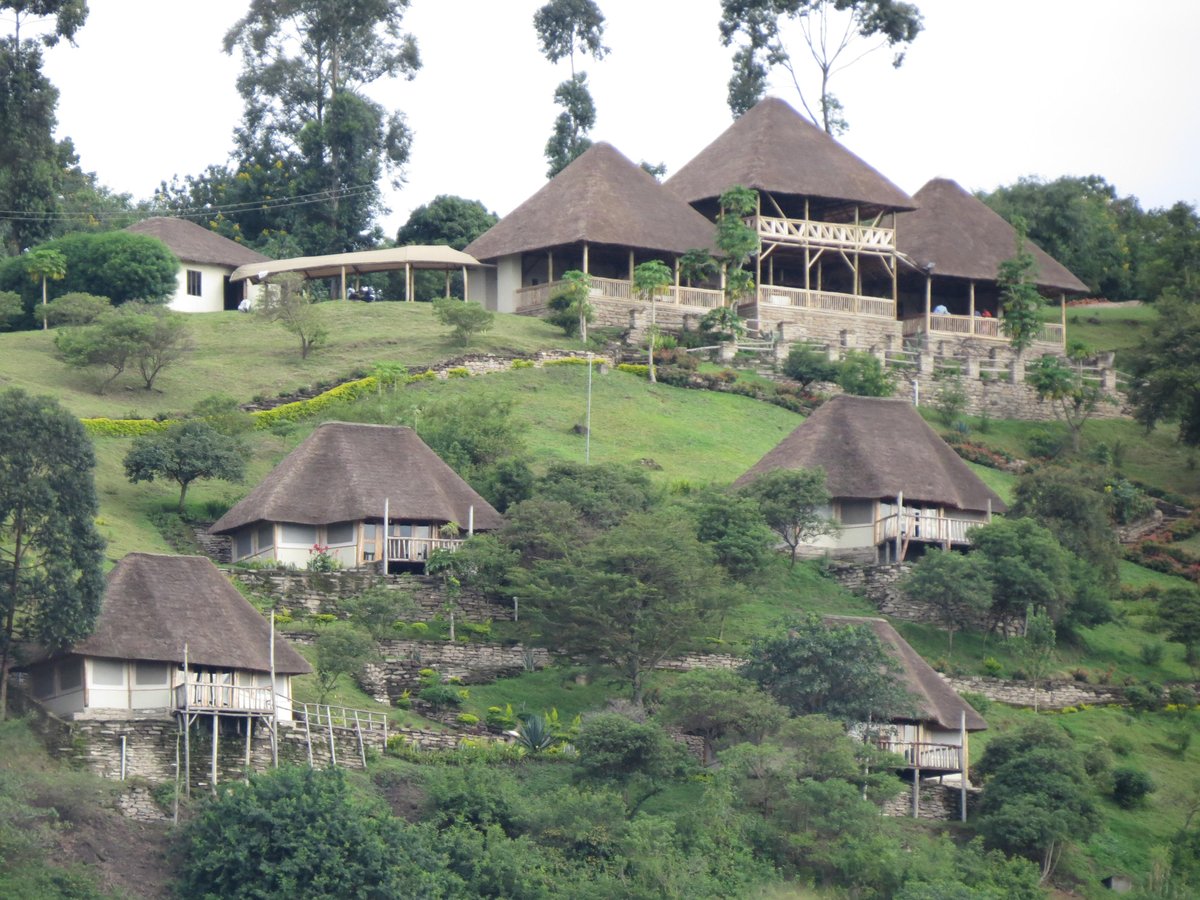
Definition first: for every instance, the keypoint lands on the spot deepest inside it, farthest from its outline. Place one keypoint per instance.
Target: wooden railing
(841, 235)
(825, 301)
(538, 295)
(321, 716)
(927, 528)
(974, 326)
(410, 549)
(947, 757)
(203, 696)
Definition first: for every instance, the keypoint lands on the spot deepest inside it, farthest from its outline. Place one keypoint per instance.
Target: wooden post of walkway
(962, 758)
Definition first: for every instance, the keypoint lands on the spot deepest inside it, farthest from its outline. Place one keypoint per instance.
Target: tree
(840, 671)
(1167, 252)
(830, 29)
(51, 555)
(77, 309)
(43, 265)
(1019, 297)
(1179, 614)
(300, 832)
(562, 27)
(720, 706)
(342, 649)
(723, 322)
(733, 526)
(286, 301)
(1166, 369)
(794, 504)
(651, 280)
(1029, 568)
(12, 309)
(956, 586)
(447, 220)
(1037, 648)
(637, 757)
(149, 338)
(631, 597)
(184, 453)
(697, 266)
(737, 241)
(863, 375)
(466, 318)
(167, 339)
(1073, 398)
(305, 64)
(1036, 796)
(571, 303)
(808, 366)
(119, 265)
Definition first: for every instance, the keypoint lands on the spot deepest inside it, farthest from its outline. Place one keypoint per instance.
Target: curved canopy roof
(602, 198)
(960, 236)
(775, 149)
(877, 448)
(361, 262)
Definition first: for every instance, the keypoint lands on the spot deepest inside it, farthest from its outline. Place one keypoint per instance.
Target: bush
(441, 696)
(1045, 444)
(1181, 695)
(1130, 786)
(992, 667)
(1145, 697)
(977, 702)
(466, 319)
(77, 308)
(1152, 653)
(467, 720)
(501, 719)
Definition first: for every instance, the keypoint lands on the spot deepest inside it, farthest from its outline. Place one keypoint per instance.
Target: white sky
(990, 91)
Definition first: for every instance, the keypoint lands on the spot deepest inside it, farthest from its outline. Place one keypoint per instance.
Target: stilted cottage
(173, 636)
(602, 215)
(934, 740)
(208, 262)
(826, 223)
(368, 495)
(955, 243)
(892, 480)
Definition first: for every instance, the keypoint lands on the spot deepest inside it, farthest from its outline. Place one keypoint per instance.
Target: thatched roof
(962, 237)
(154, 605)
(936, 701)
(602, 198)
(195, 244)
(775, 149)
(876, 448)
(344, 472)
(332, 265)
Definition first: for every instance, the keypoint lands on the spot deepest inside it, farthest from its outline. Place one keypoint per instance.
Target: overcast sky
(991, 90)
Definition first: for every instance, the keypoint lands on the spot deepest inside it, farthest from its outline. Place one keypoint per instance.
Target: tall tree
(564, 26)
(650, 281)
(45, 265)
(1073, 398)
(1166, 369)
(956, 586)
(304, 65)
(1019, 297)
(51, 555)
(449, 220)
(184, 453)
(836, 34)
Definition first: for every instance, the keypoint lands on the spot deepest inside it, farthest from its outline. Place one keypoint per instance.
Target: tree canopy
(563, 27)
(184, 453)
(794, 503)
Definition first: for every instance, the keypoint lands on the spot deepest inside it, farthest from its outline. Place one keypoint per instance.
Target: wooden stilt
(962, 759)
(213, 772)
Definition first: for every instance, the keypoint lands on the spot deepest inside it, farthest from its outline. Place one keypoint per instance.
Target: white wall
(212, 288)
(508, 279)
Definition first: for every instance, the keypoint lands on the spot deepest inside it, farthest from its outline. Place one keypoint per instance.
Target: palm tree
(44, 264)
(650, 280)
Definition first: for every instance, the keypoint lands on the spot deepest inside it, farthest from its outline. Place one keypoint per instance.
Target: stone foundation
(938, 802)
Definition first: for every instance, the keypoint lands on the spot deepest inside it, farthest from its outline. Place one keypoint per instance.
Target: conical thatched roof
(876, 448)
(344, 472)
(962, 237)
(196, 244)
(153, 605)
(602, 198)
(773, 148)
(936, 701)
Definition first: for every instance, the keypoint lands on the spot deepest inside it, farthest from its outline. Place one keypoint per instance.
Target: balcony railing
(411, 549)
(946, 757)
(974, 326)
(770, 295)
(202, 696)
(538, 295)
(839, 235)
(927, 528)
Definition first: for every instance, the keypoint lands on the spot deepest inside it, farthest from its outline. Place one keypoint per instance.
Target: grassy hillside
(1105, 327)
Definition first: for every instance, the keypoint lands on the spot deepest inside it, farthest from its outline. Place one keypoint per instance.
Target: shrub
(635, 369)
(1130, 786)
(980, 703)
(458, 372)
(1045, 444)
(499, 719)
(992, 667)
(1152, 653)
(467, 720)
(522, 364)
(441, 696)
(1181, 695)
(1146, 697)
(1120, 745)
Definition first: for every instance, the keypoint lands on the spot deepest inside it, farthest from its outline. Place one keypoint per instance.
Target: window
(70, 674)
(266, 537)
(299, 534)
(193, 283)
(241, 544)
(339, 533)
(108, 673)
(43, 681)
(148, 673)
(369, 530)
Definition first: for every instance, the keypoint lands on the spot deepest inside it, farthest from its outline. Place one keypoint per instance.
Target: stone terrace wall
(939, 802)
(1050, 695)
(473, 663)
(319, 593)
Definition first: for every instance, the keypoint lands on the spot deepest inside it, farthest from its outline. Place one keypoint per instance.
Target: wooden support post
(362, 751)
(187, 727)
(1062, 301)
(332, 742)
(447, 273)
(899, 526)
(308, 736)
(916, 791)
(928, 304)
(550, 266)
(407, 283)
(344, 282)
(962, 758)
(249, 737)
(971, 302)
(213, 774)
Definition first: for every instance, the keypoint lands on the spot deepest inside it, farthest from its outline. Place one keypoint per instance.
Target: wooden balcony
(538, 295)
(928, 528)
(834, 235)
(206, 697)
(412, 549)
(774, 296)
(974, 327)
(925, 756)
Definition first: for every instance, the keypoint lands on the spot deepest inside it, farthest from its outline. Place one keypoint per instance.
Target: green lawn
(1105, 327)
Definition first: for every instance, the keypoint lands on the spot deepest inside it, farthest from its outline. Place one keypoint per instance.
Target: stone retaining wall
(1049, 695)
(939, 802)
(402, 662)
(311, 592)
(137, 802)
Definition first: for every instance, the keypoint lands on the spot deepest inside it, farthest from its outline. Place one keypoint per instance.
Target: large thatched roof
(936, 701)
(344, 472)
(875, 448)
(195, 244)
(962, 237)
(602, 198)
(154, 605)
(775, 149)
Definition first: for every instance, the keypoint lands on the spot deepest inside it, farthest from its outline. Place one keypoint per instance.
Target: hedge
(103, 427)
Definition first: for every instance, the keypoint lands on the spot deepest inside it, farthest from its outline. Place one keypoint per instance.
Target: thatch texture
(154, 605)
(962, 237)
(936, 701)
(344, 472)
(775, 149)
(876, 448)
(602, 198)
(195, 244)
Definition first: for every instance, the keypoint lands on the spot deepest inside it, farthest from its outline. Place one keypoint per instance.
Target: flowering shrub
(321, 560)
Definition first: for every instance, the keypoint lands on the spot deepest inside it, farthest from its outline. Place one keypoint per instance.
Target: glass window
(150, 673)
(70, 674)
(43, 681)
(339, 533)
(241, 545)
(299, 534)
(193, 283)
(108, 672)
(266, 537)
